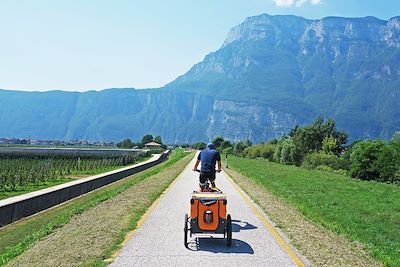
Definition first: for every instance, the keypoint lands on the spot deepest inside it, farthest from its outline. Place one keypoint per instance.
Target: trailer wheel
(228, 230)
(186, 230)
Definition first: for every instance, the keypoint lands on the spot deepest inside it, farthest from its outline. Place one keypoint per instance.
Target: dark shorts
(204, 176)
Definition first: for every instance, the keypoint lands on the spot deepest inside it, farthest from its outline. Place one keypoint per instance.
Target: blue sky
(96, 44)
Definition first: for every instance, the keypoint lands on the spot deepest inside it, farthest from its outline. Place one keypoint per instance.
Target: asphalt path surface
(159, 240)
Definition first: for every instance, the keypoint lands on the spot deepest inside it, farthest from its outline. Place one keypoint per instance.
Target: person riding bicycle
(208, 157)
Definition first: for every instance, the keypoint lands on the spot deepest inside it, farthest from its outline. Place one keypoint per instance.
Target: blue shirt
(208, 158)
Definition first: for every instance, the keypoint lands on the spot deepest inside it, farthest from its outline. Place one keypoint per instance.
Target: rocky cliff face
(271, 73)
(243, 121)
(179, 117)
(345, 68)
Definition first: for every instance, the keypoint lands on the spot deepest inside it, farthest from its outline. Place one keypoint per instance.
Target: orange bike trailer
(208, 214)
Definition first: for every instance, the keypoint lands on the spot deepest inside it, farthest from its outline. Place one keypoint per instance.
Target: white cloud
(284, 2)
(300, 2)
(297, 3)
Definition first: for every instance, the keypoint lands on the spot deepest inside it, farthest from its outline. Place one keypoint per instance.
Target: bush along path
(88, 230)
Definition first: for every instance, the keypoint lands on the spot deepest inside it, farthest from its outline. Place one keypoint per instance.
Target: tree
(227, 151)
(218, 141)
(329, 144)
(267, 151)
(362, 160)
(225, 144)
(318, 159)
(157, 139)
(374, 160)
(286, 152)
(260, 150)
(396, 137)
(396, 141)
(311, 137)
(387, 163)
(147, 138)
(273, 141)
(199, 145)
(127, 143)
(239, 147)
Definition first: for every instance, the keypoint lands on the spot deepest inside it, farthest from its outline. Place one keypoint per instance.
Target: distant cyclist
(209, 157)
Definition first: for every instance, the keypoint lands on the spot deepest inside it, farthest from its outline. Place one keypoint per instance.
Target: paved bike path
(159, 240)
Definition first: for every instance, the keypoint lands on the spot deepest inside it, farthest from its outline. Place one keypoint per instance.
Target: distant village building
(152, 145)
(13, 141)
(39, 142)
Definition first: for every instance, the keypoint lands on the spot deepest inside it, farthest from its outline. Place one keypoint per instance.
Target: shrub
(227, 151)
(387, 163)
(277, 152)
(341, 172)
(239, 147)
(324, 168)
(374, 160)
(251, 152)
(267, 151)
(315, 159)
(362, 159)
(286, 152)
(319, 135)
(199, 145)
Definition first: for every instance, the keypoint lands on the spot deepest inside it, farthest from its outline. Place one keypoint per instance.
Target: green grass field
(368, 212)
(18, 237)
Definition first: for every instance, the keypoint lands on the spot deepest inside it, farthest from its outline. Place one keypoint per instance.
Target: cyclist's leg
(212, 179)
(202, 181)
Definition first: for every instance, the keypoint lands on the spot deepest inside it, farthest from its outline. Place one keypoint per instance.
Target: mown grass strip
(368, 212)
(17, 238)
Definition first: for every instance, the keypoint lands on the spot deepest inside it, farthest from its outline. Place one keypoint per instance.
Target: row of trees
(321, 146)
(127, 143)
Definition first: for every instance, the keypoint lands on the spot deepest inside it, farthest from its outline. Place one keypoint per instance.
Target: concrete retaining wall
(70, 151)
(16, 208)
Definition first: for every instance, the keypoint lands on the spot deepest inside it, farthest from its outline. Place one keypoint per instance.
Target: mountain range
(270, 74)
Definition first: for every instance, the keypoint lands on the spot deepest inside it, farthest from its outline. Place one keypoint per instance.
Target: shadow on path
(238, 226)
(217, 244)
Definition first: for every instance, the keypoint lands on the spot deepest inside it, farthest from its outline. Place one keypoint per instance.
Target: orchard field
(24, 172)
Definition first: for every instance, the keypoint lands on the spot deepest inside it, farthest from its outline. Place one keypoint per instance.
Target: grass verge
(364, 212)
(19, 237)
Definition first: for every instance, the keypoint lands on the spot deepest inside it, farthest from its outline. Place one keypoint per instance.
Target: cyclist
(209, 157)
